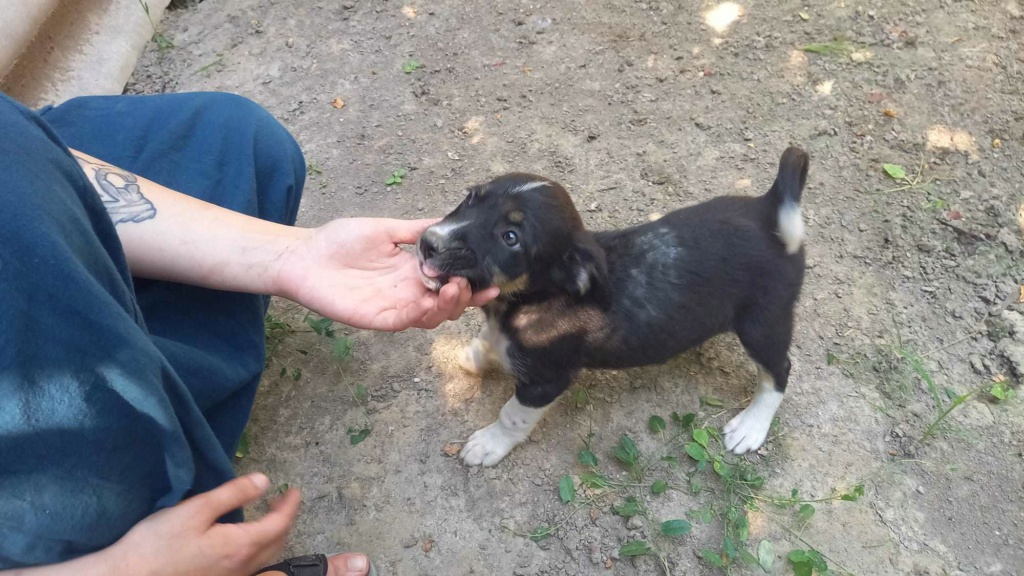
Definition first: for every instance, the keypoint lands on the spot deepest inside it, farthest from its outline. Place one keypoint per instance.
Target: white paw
(489, 445)
(748, 430)
(475, 357)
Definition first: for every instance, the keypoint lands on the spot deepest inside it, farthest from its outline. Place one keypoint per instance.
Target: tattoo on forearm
(120, 193)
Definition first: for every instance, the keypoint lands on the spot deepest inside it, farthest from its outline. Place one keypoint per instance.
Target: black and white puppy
(573, 299)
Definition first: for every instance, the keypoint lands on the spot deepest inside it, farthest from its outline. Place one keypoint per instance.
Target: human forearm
(167, 235)
(96, 564)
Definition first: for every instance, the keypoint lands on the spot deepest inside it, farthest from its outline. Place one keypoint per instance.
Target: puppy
(573, 299)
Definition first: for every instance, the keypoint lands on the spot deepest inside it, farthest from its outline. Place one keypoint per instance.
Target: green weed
(834, 48)
(326, 338)
(689, 458)
(919, 181)
(396, 177)
(162, 42)
(900, 366)
(212, 63)
(411, 66)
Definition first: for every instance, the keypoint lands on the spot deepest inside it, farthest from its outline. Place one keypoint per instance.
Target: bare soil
(639, 108)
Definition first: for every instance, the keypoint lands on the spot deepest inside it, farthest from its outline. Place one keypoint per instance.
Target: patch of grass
(689, 458)
(396, 177)
(213, 63)
(846, 364)
(324, 337)
(900, 365)
(275, 331)
(411, 66)
(162, 42)
(312, 168)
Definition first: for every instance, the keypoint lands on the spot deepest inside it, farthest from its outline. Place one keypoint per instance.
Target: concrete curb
(62, 49)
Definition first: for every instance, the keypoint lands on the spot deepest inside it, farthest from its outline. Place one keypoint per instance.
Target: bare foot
(340, 565)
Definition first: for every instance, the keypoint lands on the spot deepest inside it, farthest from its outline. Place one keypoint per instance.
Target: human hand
(186, 540)
(352, 270)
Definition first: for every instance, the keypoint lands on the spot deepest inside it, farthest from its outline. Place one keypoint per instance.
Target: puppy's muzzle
(442, 256)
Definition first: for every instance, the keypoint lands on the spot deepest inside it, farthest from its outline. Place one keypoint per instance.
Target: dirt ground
(640, 108)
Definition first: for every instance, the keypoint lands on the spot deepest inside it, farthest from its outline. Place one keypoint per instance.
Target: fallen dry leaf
(824, 88)
(594, 514)
(338, 103)
(428, 545)
(999, 378)
(527, 70)
(608, 564)
(452, 448)
(889, 112)
(804, 16)
(1020, 299)
(472, 125)
(955, 215)
(997, 143)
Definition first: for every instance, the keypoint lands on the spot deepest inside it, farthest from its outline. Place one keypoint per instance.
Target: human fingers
(462, 300)
(273, 527)
(433, 309)
(229, 496)
(406, 231)
(484, 296)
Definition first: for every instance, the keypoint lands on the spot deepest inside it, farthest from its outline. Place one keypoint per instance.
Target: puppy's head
(519, 232)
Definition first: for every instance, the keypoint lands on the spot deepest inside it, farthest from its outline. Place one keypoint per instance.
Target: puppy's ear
(584, 270)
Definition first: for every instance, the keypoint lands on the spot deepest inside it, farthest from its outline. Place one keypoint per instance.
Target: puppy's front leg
(517, 419)
(484, 351)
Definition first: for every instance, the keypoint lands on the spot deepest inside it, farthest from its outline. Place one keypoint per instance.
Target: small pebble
(417, 380)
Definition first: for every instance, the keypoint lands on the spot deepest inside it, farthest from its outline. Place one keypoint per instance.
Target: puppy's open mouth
(432, 278)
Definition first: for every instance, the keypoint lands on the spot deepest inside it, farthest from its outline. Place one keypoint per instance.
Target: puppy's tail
(784, 198)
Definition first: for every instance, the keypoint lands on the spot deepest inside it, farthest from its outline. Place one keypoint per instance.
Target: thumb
(228, 496)
(407, 231)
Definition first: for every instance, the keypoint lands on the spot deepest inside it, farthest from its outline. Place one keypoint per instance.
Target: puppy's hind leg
(767, 341)
(748, 430)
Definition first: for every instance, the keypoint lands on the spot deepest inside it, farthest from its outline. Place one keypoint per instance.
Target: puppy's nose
(428, 246)
(441, 237)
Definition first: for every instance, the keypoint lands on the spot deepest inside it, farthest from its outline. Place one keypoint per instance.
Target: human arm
(351, 270)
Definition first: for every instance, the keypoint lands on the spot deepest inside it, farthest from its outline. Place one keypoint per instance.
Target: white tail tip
(791, 227)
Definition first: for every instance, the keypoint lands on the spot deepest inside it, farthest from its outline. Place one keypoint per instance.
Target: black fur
(629, 297)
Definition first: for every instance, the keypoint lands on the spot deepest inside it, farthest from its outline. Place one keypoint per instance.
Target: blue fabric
(121, 396)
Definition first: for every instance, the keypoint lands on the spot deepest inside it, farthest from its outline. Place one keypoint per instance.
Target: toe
(471, 455)
(348, 565)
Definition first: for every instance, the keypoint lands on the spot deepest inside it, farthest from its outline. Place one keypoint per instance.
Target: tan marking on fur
(511, 286)
(516, 217)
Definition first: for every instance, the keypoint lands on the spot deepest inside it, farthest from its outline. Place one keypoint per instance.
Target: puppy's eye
(510, 238)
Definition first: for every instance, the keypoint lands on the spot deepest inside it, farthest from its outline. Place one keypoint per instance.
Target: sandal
(309, 565)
